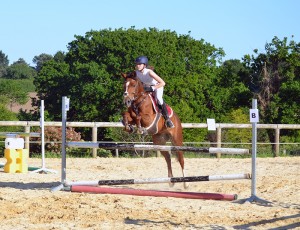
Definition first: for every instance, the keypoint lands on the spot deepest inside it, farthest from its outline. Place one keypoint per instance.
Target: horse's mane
(132, 75)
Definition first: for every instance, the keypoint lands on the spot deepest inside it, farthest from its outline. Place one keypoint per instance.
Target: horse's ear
(123, 75)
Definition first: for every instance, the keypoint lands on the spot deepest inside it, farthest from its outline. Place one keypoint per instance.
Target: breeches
(159, 95)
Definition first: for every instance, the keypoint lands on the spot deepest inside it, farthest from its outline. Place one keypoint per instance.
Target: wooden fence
(95, 125)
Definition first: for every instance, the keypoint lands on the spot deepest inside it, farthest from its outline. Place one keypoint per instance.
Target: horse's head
(133, 88)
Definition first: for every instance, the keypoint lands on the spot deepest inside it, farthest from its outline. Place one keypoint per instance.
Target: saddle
(153, 127)
(157, 108)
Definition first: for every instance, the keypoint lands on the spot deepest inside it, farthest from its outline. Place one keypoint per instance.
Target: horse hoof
(171, 185)
(128, 130)
(140, 131)
(185, 185)
(131, 129)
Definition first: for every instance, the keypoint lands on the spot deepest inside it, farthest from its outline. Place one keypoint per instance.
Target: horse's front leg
(138, 124)
(127, 121)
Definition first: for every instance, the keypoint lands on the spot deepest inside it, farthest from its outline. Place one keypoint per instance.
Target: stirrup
(169, 124)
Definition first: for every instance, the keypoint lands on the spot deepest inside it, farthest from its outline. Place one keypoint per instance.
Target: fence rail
(95, 125)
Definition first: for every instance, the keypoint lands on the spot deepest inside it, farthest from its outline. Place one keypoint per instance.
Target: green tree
(276, 75)
(12, 92)
(239, 116)
(51, 84)
(90, 73)
(40, 60)
(230, 91)
(59, 56)
(20, 70)
(3, 63)
(6, 115)
(275, 79)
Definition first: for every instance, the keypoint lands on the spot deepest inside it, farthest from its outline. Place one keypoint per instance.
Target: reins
(136, 103)
(138, 100)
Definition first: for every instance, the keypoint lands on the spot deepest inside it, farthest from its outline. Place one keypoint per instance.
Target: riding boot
(165, 114)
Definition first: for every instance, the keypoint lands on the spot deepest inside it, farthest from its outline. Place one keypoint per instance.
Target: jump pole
(19, 134)
(160, 180)
(155, 147)
(156, 193)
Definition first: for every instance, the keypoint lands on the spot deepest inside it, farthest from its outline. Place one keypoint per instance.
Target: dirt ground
(27, 201)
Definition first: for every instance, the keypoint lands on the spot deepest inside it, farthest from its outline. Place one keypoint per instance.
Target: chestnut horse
(141, 111)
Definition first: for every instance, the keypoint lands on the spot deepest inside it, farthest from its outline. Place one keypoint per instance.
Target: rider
(153, 83)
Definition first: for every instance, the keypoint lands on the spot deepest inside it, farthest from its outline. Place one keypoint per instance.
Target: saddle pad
(155, 106)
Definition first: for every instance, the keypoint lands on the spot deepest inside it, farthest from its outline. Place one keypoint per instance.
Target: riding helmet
(142, 60)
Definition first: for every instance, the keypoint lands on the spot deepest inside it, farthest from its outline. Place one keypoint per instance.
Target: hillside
(15, 107)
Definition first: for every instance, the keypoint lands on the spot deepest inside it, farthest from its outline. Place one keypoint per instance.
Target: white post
(254, 145)
(254, 118)
(65, 107)
(42, 125)
(43, 133)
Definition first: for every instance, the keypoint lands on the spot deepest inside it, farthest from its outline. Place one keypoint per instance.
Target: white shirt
(145, 77)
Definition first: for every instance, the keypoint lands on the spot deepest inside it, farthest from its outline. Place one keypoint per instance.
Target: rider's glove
(149, 88)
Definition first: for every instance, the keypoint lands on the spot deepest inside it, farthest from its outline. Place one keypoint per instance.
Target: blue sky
(32, 27)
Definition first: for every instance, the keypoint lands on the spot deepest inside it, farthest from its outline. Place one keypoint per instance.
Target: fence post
(94, 139)
(277, 134)
(219, 139)
(27, 130)
(158, 154)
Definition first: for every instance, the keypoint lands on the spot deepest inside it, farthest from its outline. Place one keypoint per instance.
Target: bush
(53, 139)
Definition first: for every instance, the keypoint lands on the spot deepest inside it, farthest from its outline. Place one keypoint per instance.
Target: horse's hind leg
(177, 140)
(167, 157)
(161, 140)
(181, 162)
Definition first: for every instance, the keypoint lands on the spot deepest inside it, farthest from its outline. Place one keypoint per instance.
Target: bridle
(138, 98)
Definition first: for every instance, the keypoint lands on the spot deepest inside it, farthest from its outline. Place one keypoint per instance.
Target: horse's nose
(127, 101)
